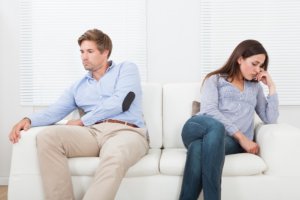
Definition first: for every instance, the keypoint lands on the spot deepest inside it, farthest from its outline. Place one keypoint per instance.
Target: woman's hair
(245, 49)
(102, 40)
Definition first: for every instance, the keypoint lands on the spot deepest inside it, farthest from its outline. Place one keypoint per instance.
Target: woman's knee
(215, 128)
(218, 126)
(193, 125)
(206, 121)
(199, 126)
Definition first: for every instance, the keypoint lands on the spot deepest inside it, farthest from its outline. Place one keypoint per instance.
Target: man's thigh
(127, 144)
(74, 141)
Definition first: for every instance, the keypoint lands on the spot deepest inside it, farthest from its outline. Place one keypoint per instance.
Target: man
(111, 127)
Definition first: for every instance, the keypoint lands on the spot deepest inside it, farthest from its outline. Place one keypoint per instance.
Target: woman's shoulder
(214, 77)
(217, 78)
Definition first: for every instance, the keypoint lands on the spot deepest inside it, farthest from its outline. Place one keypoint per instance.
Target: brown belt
(117, 121)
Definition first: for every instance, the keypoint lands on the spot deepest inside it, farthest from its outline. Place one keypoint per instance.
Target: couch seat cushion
(147, 166)
(243, 164)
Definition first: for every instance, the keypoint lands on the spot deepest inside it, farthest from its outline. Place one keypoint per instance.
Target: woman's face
(251, 66)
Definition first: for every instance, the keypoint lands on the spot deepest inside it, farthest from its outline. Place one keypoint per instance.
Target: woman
(225, 125)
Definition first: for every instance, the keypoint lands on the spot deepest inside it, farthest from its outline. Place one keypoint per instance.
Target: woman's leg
(192, 175)
(203, 137)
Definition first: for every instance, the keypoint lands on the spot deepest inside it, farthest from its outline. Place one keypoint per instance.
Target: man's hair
(102, 40)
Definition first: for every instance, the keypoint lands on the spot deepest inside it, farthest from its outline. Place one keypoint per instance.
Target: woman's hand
(266, 79)
(248, 145)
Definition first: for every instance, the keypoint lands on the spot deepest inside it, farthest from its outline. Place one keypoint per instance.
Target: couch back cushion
(152, 108)
(177, 109)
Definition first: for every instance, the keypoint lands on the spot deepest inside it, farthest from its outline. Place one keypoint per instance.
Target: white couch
(274, 174)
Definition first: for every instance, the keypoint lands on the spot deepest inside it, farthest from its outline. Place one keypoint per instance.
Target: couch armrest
(279, 148)
(24, 155)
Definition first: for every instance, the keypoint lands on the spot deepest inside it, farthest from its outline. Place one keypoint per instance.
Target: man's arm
(55, 112)
(15, 135)
(51, 115)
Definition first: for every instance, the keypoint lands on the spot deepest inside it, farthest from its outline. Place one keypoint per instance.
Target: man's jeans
(205, 140)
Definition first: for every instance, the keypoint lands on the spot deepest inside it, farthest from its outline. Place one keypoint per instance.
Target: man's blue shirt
(99, 100)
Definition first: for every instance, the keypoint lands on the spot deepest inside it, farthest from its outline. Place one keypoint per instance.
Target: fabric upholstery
(244, 164)
(195, 107)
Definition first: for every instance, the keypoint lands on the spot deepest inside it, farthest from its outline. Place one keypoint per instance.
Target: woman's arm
(248, 145)
(267, 108)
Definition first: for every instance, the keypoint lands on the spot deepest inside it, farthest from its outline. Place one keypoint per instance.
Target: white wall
(10, 110)
(173, 42)
(173, 56)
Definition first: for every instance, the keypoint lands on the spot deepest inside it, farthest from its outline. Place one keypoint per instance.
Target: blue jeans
(207, 145)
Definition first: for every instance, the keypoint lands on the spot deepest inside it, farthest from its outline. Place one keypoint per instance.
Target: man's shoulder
(125, 67)
(127, 64)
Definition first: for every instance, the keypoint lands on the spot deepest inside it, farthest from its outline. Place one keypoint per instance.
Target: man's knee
(116, 162)
(120, 156)
(46, 137)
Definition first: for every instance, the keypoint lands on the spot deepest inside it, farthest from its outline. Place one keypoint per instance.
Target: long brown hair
(245, 49)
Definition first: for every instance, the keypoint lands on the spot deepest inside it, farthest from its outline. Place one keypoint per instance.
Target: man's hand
(248, 145)
(15, 134)
(76, 122)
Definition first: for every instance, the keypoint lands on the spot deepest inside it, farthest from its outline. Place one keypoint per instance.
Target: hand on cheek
(262, 76)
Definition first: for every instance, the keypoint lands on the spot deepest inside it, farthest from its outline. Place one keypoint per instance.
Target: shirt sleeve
(267, 107)
(56, 112)
(210, 104)
(128, 81)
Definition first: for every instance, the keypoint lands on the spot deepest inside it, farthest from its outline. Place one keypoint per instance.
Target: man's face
(92, 58)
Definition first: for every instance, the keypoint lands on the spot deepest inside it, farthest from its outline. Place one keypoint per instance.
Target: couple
(112, 126)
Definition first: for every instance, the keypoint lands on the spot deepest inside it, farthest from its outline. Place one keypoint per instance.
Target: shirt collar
(111, 65)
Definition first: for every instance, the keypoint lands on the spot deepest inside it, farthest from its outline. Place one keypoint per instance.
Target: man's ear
(105, 52)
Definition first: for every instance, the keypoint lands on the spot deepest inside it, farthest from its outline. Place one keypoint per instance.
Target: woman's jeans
(207, 145)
